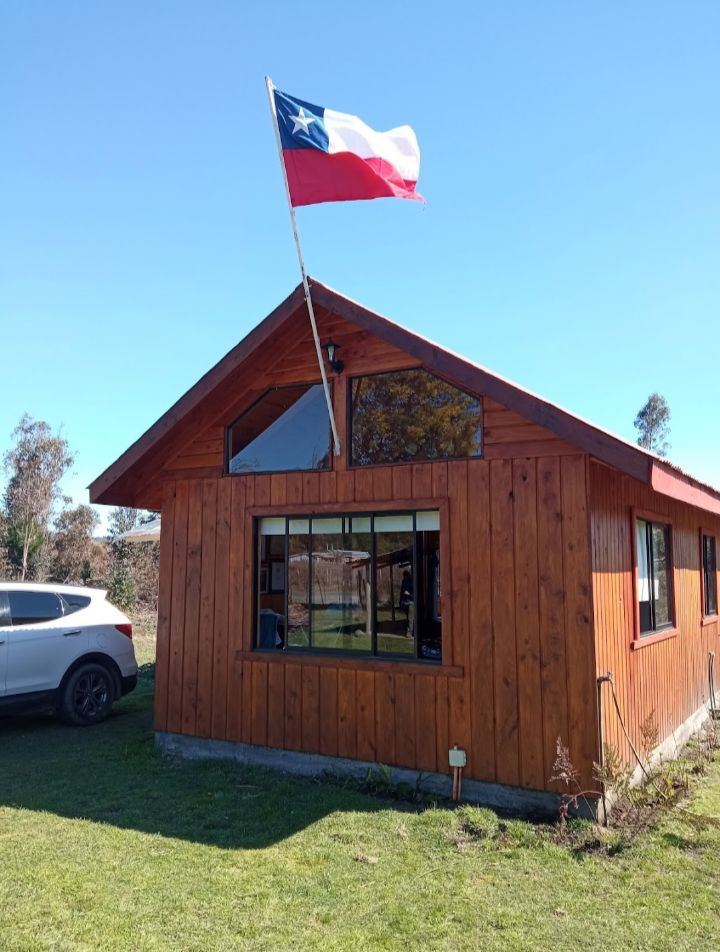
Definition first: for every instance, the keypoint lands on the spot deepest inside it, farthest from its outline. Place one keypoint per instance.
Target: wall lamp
(331, 348)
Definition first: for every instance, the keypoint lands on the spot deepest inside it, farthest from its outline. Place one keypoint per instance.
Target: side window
(33, 608)
(709, 576)
(654, 576)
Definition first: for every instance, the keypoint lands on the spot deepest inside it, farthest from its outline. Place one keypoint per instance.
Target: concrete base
(671, 747)
(515, 800)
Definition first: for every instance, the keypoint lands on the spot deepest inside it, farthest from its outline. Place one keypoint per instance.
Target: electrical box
(457, 757)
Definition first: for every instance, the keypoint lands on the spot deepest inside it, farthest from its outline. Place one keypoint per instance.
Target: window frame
(708, 619)
(408, 462)
(269, 472)
(349, 657)
(643, 639)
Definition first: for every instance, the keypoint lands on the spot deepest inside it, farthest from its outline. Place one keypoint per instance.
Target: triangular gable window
(286, 429)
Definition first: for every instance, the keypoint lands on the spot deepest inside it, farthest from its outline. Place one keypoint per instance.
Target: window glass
(411, 415)
(710, 606)
(286, 429)
(369, 584)
(341, 599)
(32, 608)
(73, 603)
(654, 576)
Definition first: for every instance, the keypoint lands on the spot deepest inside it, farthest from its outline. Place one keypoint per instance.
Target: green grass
(106, 845)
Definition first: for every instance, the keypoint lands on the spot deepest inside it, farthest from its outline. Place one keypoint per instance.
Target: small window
(411, 415)
(33, 608)
(709, 575)
(73, 603)
(367, 584)
(654, 576)
(288, 428)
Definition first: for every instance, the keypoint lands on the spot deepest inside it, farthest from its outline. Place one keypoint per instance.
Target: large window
(364, 584)
(654, 575)
(411, 415)
(709, 575)
(286, 429)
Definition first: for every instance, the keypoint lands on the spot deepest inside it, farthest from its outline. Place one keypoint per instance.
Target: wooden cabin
(460, 575)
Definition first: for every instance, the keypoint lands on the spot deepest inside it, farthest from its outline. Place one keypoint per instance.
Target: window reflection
(368, 584)
(286, 429)
(411, 415)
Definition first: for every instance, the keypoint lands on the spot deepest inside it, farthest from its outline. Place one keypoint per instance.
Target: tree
(35, 466)
(134, 566)
(73, 547)
(653, 425)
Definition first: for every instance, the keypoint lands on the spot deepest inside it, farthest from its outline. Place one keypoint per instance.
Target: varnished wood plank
(310, 708)
(294, 489)
(363, 485)
(551, 610)
(347, 719)
(527, 612)
(442, 715)
(582, 716)
(237, 576)
(259, 703)
(177, 615)
(405, 722)
(459, 642)
(481, 669)
(192, 608)
(276, 706)
(311, 488)
(439, 480)
(328, 488)
(207, 609)
(402, 481)
(293, 708)
(365, 714)
(426, 730)
(422, 480)
(278, 489)
(221, 661)
(162, 661)
(503, 602)
(328, 711)
(385, 717)
(382, 482)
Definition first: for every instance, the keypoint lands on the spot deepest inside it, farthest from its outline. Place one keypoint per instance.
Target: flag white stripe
(399, 146)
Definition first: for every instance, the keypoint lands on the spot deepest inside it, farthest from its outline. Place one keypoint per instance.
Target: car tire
(88, 695)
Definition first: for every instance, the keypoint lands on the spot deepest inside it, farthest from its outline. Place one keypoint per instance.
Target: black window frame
(709, 611)
(227, 437)
(313, 651)
(651, 520)
(417, 460)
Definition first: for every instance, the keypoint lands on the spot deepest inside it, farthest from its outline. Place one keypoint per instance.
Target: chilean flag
(334, 157)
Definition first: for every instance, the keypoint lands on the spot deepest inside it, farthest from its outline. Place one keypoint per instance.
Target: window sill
(709, 620)
(644, 640)
(357, 662)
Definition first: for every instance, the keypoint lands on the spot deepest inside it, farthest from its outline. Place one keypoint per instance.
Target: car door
(4, 632)
(42, 643)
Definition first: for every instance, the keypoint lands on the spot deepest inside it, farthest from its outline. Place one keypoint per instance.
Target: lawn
(107, 845)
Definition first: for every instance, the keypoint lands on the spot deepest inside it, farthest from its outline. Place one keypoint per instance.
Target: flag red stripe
(315, 176)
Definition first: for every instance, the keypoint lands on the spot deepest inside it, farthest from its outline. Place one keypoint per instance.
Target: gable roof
(114, 485)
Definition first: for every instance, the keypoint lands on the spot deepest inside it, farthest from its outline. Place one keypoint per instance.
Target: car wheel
(88, 695)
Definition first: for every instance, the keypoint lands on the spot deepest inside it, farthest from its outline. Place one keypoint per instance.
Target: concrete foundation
(515, 800)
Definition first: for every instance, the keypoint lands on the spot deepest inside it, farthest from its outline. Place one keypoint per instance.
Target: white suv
(63, 647)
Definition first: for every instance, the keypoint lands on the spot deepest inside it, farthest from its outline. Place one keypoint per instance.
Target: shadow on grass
(112, 773)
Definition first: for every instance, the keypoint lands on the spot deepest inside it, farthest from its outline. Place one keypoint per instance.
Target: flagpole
(306, 286)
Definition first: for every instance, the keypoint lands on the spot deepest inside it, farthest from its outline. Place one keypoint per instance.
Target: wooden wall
(518, 665)
(667, 677)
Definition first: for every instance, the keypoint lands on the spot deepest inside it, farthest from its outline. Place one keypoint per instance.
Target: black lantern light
(331, 348)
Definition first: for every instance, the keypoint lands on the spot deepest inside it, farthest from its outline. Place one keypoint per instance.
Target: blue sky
(570, 161)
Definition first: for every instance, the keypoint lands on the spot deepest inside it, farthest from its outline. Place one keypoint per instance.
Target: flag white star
(301, 121)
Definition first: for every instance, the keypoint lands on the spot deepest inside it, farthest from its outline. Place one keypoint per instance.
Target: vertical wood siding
(519, 661)
(667, 679)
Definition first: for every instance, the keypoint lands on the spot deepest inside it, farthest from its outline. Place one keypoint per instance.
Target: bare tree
(35, 466)
(653, 424)
(72, 544)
